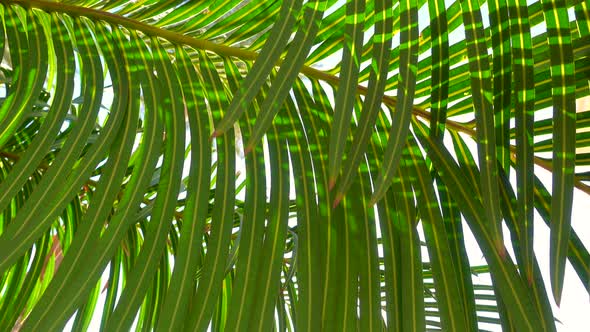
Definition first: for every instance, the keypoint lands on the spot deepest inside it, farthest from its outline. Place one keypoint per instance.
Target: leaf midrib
(229, 51)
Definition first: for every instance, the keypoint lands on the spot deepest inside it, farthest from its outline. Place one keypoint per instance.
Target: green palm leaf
(289, 165)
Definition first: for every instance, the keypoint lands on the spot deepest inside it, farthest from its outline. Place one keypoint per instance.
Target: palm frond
(257, 165)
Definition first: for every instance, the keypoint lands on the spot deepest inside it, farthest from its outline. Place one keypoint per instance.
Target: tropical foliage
(250, 165)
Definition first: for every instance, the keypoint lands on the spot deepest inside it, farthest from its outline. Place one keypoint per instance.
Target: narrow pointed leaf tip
(248, 149)
(331, 183)
(337, 200)
(216, 133)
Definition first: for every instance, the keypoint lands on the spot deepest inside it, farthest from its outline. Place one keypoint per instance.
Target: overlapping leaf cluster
(249, 165)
